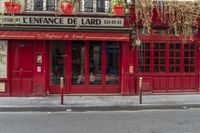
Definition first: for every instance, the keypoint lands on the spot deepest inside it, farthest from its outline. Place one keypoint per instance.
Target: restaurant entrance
(87, 66)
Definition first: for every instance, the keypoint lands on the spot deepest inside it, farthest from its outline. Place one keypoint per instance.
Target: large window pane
(57, 61)
(78, 63)
(112, 63)
(95, 69)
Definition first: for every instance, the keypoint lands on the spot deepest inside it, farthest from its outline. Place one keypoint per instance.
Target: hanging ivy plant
(181, 16)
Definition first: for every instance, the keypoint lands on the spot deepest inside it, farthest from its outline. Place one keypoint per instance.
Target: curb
(94, 108)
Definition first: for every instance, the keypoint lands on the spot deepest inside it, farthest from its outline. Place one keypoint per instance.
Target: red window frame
(173, 60)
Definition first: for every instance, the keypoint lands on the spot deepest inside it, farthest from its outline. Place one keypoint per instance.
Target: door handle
(21, 69)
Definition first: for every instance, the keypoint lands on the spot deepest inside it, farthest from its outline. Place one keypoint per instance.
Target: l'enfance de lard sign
(63, 21)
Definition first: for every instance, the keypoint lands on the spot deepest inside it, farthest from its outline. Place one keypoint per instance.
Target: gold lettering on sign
(75, 36)
(51, 36)
(2, 87)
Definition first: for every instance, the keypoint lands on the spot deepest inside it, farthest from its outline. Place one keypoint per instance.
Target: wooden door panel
(26, 86)
(16, 86)
(21, 68)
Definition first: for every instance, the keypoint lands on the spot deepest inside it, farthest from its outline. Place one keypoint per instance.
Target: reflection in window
(112, 57)
(57, 61)
(78, 63)
(95, 69)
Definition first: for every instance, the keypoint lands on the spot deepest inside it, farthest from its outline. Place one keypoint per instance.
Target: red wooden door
(21, 68)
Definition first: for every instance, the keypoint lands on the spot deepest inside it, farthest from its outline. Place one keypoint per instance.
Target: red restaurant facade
(94, 54)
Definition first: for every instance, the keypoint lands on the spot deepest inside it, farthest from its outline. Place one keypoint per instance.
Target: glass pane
(156, 45)
(162, 53)
(192, 61)
(162, 61)
(171, 68)
(112, 63)
(177, 68)
(147, 68)
(156, 53)
(186, 54)
(50, 5)
(141, 60)
(147, 61)
(162, 68)
(192, 47)
(95, 68)
(162, 46)
(178, 46)
(141, 53)
(171, 61)
(57, 61)
(186, 68)
(191, 53)
(88, 5)
(171, 46)
(186, 61)
(177, 61)
(147, 45)
(141, 69)
(147, 53)
(100, 5)
(156, 61)
(156, 69)
(186, 46)
(178, 54)
(171, 54)
(78, 63)
(38, 5)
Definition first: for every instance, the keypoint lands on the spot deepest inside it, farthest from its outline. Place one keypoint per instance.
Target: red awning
(38, 35)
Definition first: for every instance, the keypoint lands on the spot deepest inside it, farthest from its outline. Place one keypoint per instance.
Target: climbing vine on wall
(180, 15)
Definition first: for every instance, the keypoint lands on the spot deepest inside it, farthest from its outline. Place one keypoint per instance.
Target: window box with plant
(12, 6)
(66, 6)
(118, 7)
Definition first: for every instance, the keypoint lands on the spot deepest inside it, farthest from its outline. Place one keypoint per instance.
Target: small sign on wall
(2, 87)
(130, 69)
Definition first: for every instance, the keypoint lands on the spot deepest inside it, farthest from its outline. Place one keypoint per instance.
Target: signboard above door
(63, 21)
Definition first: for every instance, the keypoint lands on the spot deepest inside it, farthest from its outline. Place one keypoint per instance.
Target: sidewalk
(99, 103)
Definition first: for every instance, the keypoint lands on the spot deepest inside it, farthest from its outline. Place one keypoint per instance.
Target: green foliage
(118, 2)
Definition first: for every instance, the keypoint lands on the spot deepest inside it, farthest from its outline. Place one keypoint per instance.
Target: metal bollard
(61, 90)
(140, 89)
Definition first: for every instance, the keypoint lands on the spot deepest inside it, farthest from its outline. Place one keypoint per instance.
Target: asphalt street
(146, 121)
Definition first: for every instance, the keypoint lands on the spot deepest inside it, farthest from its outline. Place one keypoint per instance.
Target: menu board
(3, 59)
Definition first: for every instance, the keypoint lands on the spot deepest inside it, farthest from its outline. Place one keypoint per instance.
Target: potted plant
(118, 7)
(12, 6)
(66, 6)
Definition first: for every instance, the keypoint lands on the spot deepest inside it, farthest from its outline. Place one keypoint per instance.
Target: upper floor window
(41, 5)
(103, 6)
(96, 5)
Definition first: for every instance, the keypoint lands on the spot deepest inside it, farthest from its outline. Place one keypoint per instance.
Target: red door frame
(86, 88)
(103, 88)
